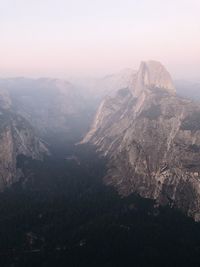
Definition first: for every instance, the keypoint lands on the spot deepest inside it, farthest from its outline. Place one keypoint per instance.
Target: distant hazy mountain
(50, 105)
(190, 89)
(108, 85)
(151, 138)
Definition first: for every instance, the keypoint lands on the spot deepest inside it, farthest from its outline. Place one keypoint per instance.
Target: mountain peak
(152, 75)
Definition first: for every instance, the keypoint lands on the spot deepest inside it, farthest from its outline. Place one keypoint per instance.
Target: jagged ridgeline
(151, 137)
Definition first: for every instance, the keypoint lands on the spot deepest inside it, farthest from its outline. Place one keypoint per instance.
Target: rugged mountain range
(150, 135)
(17, 137)
(151, 138)
(57, 106)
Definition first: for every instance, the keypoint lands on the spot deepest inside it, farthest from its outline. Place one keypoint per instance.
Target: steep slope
(152, 140)
(17, 137)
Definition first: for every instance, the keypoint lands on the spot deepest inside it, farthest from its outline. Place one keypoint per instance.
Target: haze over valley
(99, 133)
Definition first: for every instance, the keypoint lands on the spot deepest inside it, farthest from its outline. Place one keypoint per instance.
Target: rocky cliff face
(17, 137)
(152, 140)
(152, 75)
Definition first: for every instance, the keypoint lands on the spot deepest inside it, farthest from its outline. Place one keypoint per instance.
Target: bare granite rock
(152, 140)
(17, 137)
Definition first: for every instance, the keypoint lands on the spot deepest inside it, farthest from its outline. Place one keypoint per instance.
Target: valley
(99, 190)
(64, 214)
(99, 133)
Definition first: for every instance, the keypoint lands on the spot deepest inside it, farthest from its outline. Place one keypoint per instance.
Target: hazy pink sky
(63, 38)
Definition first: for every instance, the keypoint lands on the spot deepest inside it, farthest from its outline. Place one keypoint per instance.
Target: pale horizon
(65, 39)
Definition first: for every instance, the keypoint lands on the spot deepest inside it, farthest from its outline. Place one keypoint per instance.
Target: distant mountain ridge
(97, 88)
(46, 103)
(189, 89)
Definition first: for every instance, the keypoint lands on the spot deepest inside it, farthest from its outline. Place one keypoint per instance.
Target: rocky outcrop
(151, 138)
(17, 137)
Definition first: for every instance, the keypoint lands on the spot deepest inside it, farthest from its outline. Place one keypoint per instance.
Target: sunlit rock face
(17, 137)
(152, 75)
(151, 138)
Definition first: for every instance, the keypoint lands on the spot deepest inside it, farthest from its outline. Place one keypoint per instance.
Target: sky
(64, 38)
